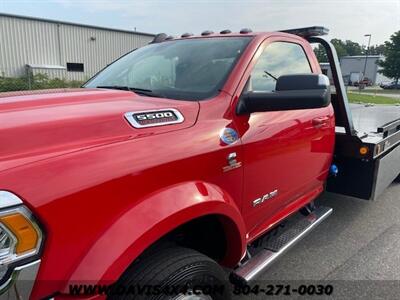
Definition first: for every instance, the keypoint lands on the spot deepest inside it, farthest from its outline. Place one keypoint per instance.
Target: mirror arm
(241, 108)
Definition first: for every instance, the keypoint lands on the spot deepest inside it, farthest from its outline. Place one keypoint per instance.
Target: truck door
(286, 153)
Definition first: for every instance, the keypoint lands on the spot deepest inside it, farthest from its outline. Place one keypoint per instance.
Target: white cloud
(346, 19)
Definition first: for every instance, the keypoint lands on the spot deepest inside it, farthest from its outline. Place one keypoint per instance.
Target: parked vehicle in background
(390, 85)
(354, 77)
(181, 160)
(365, 82)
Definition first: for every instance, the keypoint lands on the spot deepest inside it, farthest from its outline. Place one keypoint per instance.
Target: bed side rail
(389, 128)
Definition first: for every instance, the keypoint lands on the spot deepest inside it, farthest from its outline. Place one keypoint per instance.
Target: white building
(61, 49)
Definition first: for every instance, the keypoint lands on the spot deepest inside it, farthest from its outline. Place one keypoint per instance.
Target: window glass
(192, 69)
(75, 67)
(279, 58)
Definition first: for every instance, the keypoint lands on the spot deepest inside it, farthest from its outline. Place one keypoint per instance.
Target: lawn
(360, 98)
(378, 91)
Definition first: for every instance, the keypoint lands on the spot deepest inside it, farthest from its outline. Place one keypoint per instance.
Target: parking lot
(356, 249)
(350, 241)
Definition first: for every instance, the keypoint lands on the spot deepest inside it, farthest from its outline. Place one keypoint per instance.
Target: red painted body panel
(283, 139)
(39, 126)
(104, 191)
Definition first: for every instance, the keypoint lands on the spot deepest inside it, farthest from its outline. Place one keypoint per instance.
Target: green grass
(360, 98)
(379, 91)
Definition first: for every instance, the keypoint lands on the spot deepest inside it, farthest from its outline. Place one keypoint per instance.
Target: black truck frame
(367, 162)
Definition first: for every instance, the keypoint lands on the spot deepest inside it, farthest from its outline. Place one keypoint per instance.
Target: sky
(346, 19)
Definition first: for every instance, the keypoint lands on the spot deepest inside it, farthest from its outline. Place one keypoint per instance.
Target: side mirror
(300, 91)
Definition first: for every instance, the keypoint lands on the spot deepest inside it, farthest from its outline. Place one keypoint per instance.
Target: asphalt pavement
(356, 250)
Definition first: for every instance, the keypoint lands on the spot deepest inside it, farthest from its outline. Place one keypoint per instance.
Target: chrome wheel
(191, 296)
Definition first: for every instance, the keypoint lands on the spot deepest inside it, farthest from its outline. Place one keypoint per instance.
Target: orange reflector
(363, 150)
(23, 230)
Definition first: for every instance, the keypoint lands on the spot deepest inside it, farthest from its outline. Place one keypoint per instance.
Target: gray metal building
(61, 49)
(353, 67)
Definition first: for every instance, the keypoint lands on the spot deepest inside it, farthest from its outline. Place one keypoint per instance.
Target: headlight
(20, 236)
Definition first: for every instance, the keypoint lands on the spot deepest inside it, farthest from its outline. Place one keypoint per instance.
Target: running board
(277, 246)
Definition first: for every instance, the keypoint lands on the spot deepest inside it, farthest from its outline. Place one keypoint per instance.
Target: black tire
(174, 269)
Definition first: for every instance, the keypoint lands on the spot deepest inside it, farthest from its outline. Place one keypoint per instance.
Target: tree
(376, 50)
(353, 48)
(391, 64)
(321, 54)
(340, 47)
(343, 48)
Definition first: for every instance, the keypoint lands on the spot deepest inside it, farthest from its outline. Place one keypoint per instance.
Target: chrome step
(278, 245)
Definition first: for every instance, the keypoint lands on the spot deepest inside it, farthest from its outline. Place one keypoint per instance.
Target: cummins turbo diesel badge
(150, 118)
(228, 136)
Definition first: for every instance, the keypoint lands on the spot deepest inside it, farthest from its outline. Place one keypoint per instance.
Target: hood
(40, 124)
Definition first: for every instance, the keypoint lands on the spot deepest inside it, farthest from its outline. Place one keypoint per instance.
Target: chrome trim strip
(8, 199)
(27, 273)
(134, 123)
(323, 80)
(19, 268)
(259, 263)
(14, 240)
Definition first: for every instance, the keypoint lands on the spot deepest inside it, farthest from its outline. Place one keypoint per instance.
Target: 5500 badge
(150, 118)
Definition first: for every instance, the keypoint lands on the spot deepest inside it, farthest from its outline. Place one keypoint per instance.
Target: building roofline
(74, 24)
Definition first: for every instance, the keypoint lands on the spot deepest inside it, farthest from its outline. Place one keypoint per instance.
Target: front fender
(153, 217)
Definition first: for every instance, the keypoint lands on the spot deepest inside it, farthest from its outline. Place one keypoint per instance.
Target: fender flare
(147, 221)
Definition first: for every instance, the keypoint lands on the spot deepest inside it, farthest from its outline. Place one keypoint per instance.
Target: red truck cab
(176, 160)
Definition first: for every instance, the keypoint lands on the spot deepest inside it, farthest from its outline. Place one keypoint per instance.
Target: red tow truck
(176, 163)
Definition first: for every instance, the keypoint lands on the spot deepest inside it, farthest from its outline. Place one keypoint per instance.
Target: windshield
(192, 69)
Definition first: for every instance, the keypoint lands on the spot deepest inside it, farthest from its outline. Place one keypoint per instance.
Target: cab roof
(304, 32)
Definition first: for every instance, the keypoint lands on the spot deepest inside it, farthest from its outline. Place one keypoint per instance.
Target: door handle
(320, 122)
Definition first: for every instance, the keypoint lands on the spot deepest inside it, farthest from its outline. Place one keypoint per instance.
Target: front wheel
(173, 273)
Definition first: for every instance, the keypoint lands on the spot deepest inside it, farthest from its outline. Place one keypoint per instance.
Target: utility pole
(366, 54)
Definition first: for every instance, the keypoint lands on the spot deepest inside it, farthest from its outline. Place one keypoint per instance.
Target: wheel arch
(153, 218)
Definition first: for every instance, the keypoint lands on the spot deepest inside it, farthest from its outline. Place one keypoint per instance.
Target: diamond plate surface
(275, 243)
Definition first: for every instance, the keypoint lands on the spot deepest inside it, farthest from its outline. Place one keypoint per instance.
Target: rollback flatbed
(367, 161)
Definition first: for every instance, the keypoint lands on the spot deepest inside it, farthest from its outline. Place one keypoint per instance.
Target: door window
(279, 58)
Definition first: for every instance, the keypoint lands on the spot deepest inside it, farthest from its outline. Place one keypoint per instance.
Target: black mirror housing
(300, 91)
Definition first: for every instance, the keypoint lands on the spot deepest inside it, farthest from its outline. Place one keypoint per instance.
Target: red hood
(38, 125)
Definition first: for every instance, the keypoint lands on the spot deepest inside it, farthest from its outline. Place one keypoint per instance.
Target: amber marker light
(21, 240)
(23, 230)
(363, 150)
